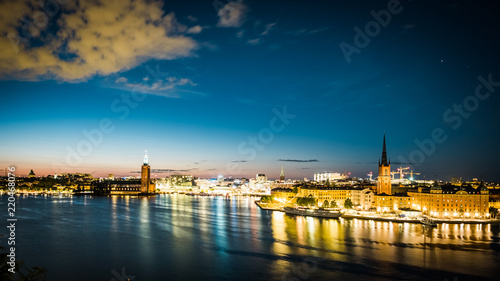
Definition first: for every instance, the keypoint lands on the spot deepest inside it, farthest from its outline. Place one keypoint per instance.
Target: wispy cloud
(297, 160)
(195, 29)
(233, 14)
(239, 161)
(268, 28)
(88, 43)
(254, 41)
(304, 31)
(168, 87)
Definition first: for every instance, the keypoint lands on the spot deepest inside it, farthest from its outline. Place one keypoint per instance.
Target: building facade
(330, 176)
(451, 201)
(392, 203)
(362, 199)
(326, 193)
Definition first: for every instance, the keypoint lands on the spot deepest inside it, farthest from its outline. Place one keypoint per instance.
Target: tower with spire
(282, 175)
(384, 173)
(145, 175)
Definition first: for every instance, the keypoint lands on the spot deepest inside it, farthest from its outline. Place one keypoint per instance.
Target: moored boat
(322, 213)
(427, 221)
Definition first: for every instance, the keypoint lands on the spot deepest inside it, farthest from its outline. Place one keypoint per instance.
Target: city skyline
(244, 87)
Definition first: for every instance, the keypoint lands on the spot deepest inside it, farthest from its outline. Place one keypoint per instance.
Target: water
(179, 237)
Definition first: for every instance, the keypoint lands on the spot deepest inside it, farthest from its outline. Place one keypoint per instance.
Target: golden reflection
(279, 228)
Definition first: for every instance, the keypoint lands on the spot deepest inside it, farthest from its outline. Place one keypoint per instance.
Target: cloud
(194, 30)
(297, 160)
(304, 31)
(192, 18)
(239, 161)
(165, 87)
(89, 38)
(254, 41)
(233, 14)
(240, 33)
(268, 28)
(121, 80)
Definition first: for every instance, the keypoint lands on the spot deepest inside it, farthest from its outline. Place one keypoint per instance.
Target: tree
(306, 201)
(267, 199)
(327, 183)
(348, 203)
(326, 204)
(295, 189)
(493, 212)
(333, 204)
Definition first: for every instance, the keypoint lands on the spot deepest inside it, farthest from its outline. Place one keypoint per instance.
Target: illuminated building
(282, 194)
(261, 178)
(451, 201)
(282, 175)
(31, 174)
(181, 180)
(331, 177)
(321, 194)
(362, 198)
(391, 203)
(146, 186)
(384, 174)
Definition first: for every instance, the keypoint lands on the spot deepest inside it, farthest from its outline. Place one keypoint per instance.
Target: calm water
(179, 237)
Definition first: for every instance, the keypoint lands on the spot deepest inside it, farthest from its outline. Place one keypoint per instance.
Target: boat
(427, 221)
(322, 213)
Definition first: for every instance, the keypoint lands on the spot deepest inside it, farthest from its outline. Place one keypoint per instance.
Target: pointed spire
(384, 155)
(146, 159)
(282, 175)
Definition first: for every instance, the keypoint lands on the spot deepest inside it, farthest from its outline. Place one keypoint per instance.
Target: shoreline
(275, 207)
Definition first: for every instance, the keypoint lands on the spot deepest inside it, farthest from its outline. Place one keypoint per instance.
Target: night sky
(239, 88)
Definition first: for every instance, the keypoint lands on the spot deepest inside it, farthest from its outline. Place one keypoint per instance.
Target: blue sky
(191, 82)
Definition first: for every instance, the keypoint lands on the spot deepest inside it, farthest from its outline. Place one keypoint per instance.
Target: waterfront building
(392, 203)
(384, 173)
(450, 201)
(362, 199)
(494, 198)
(283, 195)
(121, 187)
(322, 193)
(146, 186)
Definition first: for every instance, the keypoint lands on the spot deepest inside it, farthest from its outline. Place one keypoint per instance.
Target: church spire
(282, 176)
(384, 155)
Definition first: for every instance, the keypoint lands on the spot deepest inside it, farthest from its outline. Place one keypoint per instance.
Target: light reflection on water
(178, 237)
